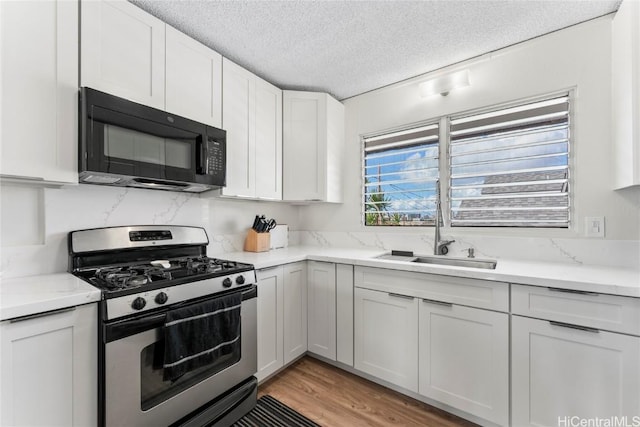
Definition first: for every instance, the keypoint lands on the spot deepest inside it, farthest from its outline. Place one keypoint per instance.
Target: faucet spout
(439, 246)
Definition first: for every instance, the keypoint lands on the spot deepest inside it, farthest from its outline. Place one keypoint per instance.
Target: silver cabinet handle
(431, 301)
(391, 294)
(45, 314)
(572, 291)
(570, 326)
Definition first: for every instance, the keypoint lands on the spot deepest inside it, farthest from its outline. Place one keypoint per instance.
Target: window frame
(444, 163)
(363, 193)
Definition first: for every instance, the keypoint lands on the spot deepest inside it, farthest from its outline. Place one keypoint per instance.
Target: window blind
(400, 171)
(510, 167)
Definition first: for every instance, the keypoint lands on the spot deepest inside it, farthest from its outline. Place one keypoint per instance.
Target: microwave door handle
(201, 156)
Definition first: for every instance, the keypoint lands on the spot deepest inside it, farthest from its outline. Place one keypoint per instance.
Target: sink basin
(457, 262)
(440, 260)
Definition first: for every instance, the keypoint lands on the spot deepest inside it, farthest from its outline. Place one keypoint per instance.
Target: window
(400, 172)
(506, 167)
(511, 167)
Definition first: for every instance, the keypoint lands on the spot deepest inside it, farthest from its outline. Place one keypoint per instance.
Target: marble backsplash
(36, 221)
(614, 253)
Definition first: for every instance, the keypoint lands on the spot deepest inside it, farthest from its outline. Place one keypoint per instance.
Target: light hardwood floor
(334, 398)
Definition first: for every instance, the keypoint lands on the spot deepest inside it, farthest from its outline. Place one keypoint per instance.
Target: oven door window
(154, 390)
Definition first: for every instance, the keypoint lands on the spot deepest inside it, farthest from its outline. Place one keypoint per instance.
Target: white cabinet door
(49, 369)
(321, 322)
(625, 49)
(123, 51)
(295, 311)
(304, 133)
(39, 86)
(344, 314)
(238, 119)
(464, 359)
(270, 318)
(252, 117)
(193, 79)
(313, 146)
(386, 337)
(560, 372)
(268, 143)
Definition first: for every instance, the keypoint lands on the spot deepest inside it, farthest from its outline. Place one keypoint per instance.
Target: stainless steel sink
(457, 262)
(488, 264)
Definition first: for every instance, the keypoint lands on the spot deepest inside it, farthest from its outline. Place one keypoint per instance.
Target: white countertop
(590, 278)
(23, 296)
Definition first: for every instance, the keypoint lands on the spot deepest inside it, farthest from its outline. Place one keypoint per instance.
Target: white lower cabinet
(464, 359)
(49, 369)
(386, 337)
(295, 311)
(282, 316)
(270, 321)
(344, 314)
(560, 371)
(321, 323)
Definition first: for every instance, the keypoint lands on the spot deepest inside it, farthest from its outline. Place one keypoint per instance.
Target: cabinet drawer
(601, 311)
(456, 290)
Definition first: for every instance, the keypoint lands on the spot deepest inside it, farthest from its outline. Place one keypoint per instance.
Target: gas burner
(203, 264)
(129, 276)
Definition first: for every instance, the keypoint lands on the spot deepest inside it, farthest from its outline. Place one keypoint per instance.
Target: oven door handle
(146, 322)
(134, 326)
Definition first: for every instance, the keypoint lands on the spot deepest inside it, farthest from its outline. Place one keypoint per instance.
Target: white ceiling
(350, 47)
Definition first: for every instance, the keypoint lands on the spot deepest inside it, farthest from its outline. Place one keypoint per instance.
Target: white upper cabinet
(238, 119)
(268, 145)
(123, 51)
(193, 79)
(626, 94)
(313, 143)
(128, 53)
(252, 117)
(39, 86)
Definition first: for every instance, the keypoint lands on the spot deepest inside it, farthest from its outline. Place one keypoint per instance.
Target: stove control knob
(138, 303)
(226, 282)
(161, 298)
(240, 280)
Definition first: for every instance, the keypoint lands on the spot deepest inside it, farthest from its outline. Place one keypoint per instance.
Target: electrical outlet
(594, 226)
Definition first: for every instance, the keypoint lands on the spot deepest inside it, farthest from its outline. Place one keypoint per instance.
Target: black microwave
(124, 143)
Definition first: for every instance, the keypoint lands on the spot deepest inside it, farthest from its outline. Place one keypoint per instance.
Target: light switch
(594, 226)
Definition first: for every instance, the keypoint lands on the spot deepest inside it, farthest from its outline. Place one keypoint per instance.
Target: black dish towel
(198, 334)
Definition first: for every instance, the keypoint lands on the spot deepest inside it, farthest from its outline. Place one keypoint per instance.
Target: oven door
(134, 391)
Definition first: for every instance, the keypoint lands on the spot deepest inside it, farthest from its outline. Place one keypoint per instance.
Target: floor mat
(269, 412)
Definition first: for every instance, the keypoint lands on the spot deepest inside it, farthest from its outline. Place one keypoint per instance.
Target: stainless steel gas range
(177, 329)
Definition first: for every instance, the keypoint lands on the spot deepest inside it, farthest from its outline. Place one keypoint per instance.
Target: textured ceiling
(350, 47)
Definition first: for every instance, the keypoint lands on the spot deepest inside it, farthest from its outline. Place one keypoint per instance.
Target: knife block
(257, 242)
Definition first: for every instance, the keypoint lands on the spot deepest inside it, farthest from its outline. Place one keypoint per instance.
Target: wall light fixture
(443, 84)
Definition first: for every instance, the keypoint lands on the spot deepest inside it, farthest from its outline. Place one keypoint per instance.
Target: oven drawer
(600, 311)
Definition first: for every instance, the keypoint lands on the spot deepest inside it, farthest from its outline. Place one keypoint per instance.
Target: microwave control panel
(215, 157)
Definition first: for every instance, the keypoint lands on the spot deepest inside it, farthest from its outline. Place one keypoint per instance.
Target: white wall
(578, 57)
(35, 221)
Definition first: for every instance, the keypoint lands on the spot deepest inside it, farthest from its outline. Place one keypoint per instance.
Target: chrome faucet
(439, 246)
